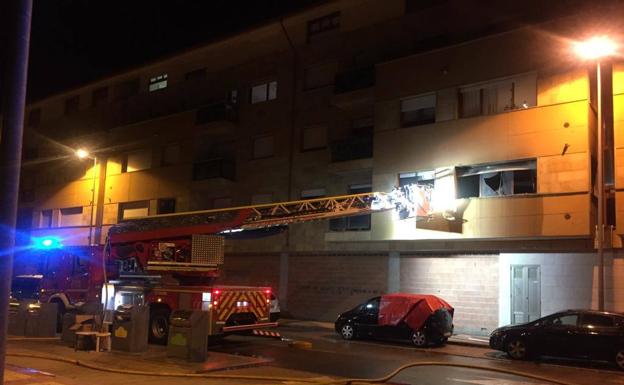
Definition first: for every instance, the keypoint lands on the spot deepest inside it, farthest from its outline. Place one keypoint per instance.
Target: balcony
(354, 88)
(217, 118)
(214, 169)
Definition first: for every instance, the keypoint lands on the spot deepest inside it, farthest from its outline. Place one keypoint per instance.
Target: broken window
(418, 110)
(497, 179)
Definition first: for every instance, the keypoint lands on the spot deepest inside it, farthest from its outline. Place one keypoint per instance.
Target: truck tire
(159, 326)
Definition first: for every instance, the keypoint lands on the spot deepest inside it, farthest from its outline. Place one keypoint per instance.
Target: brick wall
(321, 287)
(468, 283)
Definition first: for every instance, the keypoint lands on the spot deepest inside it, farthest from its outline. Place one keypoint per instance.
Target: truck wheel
(159, 326)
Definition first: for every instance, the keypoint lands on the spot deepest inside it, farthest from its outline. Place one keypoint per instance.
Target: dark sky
(75, 41)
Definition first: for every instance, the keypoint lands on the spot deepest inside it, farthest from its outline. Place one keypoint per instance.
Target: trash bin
(17, 318)
(188, 335)
(130, 323)
(41, 320)
(68, 335)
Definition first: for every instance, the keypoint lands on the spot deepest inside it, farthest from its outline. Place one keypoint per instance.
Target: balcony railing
(355, 147)
(354, 80)
(215, 168)
(216, 112)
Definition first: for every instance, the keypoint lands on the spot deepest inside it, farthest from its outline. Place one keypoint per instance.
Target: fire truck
(171, 262)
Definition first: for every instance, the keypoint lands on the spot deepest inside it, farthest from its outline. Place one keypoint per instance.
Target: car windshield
(25, 288)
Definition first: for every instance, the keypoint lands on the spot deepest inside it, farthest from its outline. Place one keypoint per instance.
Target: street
(327, 357)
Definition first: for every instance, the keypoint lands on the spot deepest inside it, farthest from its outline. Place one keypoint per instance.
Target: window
(170, 154)
(231, 96)
(498, 96)
(320, 75)
(126, 89)
(166, 206)
(71, 216)
(45, 220)
(99, 96)
(597, 320)
(34, 117)
(563, 320)
(158, 82)
(72, 104)
(354, 223)
(313, 193)
(263, 147)
(215, 168)
(497, 179)
(323, 24)
(222, 203)
(418, 110)
(314, 138)
(263, 92)
(259, 199)
(129, 210)
(199, 74)
(138, 160)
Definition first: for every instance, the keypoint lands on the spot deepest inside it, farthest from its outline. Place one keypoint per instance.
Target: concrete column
(394, 272)
(283, 282)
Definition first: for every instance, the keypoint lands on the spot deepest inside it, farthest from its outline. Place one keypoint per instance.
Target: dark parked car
(421, 319)
(583, 334)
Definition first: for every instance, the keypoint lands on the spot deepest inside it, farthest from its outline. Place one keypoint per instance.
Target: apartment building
(482, 106)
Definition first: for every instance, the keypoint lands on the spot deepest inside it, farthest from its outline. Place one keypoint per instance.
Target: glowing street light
(82, 153)
(597, 48)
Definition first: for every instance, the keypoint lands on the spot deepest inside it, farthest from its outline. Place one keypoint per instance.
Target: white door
(525, 293)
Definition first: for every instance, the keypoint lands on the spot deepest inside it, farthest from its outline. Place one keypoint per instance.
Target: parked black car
(585, 334)
(363, 321)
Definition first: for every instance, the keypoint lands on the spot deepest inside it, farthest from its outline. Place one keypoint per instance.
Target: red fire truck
(171, 261)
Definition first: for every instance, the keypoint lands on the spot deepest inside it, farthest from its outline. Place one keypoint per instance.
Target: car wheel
(517, 349)
(619, 358)
(347, 331)
(419, 338)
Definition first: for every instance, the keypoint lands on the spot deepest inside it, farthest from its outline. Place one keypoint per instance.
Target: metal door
(525, 293)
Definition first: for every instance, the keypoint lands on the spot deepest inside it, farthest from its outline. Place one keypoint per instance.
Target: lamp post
(82, 154)
(595, 49)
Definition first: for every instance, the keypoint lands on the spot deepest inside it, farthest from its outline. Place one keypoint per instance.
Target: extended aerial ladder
(193, 242)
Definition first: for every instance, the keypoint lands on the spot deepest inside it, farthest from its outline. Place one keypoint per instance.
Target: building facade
(485, 109)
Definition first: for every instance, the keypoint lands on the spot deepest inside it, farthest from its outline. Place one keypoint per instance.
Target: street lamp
(83, 154)
(595, 49)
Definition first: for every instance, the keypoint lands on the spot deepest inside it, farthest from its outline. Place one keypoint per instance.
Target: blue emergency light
(46, 243)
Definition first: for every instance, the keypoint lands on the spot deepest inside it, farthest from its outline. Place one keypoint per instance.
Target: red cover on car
(414, 309)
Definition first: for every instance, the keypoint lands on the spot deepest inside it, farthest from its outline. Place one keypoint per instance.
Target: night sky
(76, 41)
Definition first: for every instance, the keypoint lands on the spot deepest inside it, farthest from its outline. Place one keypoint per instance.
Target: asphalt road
(331, 356)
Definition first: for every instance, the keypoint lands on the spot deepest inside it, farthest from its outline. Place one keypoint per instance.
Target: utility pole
(17, 19)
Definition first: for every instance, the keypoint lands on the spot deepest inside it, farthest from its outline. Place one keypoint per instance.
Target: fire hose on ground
(284, 379)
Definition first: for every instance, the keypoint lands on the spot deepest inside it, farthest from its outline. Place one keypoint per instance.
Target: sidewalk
(155, 359)
(457, 339)
(155, 362)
